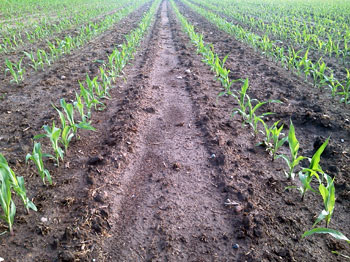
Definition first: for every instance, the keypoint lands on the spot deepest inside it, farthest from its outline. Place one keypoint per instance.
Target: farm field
(174, 130)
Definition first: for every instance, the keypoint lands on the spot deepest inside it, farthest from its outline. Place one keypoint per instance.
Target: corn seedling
(7, 204)
(53, 133)
(69, 110)
(305, 64)
(293, 58)
(66, 136)
(16, 70)
(328, 196)
(333, 84)
(345, 85)
(17, 183)
(318, 73)
(54, 51)
(9, 180)
(37, 158)
(31, 57)
(94, 87)
(294, 148)
(106, 83)
(272, 138)
(247, 108)
(70, 130)
(89, 99)
(44, 58)
(79, 105)
(306, 175)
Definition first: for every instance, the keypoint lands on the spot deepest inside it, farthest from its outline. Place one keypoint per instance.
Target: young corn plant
(333, 83)
(54, 51)
(17, 183)
(7, 204)
(44, 58)
(37, 158)
(306, 175)
(247, 109)
(328, 196)
(53, 133)
(71, 129)
(79, 105)
(66, 136)
(106, 83)
(272, 140)
(67, 133)
(293, 58)
(69, 110)
(89, 99)
(112, 69)
(31, 57)
(318, 73)
(345, 85)
(8, 181)
(294, 160)
(16, 70)
(94, 87)
(305, 64)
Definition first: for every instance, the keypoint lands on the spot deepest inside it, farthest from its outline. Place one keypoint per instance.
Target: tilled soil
(167, 207)
(169, 175)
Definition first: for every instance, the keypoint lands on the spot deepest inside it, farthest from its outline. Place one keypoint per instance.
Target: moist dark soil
(169, 175)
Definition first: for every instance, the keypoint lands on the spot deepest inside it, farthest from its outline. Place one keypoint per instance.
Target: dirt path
(169, 209)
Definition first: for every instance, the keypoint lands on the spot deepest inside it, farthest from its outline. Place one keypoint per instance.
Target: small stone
(150, 110)
(238, 209)
(176, 166)
(235, 246)
(98, 198)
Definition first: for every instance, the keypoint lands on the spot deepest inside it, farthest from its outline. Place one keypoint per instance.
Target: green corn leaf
(39, 136)
(317, 156)
(85, 125)
(334, 233)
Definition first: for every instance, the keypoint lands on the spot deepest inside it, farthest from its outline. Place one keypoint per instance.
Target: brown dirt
(152, 183)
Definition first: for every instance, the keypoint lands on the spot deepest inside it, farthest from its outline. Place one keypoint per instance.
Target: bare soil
(169, 175)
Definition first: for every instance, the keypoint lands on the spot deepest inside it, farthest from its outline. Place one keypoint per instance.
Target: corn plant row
(322, 75)
(307, 16)
(39, 59)
(14, 37)
(319, 38)
(13, 10)
(274, 138)
(91, 92)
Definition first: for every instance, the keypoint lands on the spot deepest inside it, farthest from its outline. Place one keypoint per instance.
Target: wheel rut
(166, 206)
